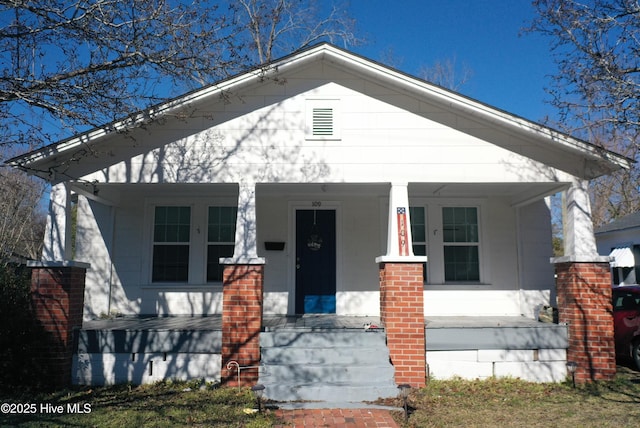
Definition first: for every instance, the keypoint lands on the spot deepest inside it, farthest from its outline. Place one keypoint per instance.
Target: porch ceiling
(519, 193)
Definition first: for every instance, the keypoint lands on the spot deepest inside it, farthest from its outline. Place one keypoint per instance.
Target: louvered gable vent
(322, 121)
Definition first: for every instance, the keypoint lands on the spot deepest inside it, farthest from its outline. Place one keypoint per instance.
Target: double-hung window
(221, 232)
(188, 242)
(461, 244)
(171, 239)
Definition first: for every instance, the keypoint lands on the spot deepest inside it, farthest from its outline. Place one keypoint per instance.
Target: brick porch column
(241, 322)
(402, 313)
(242, 296)
(57, 298)
(584, 303)
(583, 287)
(402, 293)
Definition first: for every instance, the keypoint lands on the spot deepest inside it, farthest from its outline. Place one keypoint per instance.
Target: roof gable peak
(398, 81)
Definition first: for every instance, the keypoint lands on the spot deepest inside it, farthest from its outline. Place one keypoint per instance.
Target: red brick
(57, 296)
(584, 300)
(241, 321)
(402, 313)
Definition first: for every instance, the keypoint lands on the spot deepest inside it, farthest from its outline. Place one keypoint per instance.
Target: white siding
(269, 144)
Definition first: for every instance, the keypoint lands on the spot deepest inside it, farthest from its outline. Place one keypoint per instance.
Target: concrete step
(326, 366)
(349, 356)
(329, 392)
(306, 373)
(321, 339)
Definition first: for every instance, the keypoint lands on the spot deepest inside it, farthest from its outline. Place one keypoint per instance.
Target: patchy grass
(515, 403)
(165, 404)
(504, 403)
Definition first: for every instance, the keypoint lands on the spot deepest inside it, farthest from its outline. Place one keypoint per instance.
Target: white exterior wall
(543, 365)
(118, 368)
(93, 227)
(536, 278)
(377, 143)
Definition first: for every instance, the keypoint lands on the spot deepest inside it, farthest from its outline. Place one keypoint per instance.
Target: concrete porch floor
(317, 322)
(482, 321)
(307, 321)
(214, 322)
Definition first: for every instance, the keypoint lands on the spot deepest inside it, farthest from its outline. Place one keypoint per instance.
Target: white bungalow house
(302, 166)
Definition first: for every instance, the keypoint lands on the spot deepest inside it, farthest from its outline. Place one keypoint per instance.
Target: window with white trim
(461, 244)
(221, 231)
(171, 242)
(188, 242)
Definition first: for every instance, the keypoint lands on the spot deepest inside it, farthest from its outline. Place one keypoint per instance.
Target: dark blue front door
(315, 261)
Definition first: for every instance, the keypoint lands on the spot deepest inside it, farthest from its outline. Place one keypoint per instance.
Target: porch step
(332, 366)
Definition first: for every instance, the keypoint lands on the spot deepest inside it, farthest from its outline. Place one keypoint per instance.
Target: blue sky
(510, 67)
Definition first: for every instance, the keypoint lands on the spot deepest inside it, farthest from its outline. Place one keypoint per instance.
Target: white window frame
(462, 244)
(198, 244)
(435, 242)
(187, 243)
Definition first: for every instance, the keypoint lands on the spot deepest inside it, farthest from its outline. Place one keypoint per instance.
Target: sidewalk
(343, 418)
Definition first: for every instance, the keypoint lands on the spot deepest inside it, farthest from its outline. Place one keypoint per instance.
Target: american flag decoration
(403, 247)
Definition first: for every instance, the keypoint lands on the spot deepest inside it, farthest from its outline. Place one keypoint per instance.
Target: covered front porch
(509, 258)
(501, 269)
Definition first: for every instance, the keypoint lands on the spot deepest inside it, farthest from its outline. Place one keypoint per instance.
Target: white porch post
(57, 239)
(246, 241)
(399, 240)
(579, 239)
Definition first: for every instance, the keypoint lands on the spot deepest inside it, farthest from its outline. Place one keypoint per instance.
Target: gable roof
(630, 221)
(494, 125)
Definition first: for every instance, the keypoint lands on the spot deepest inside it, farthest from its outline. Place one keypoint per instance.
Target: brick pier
(402, 313)
(241, 322)
(57, 298)
(584, 303)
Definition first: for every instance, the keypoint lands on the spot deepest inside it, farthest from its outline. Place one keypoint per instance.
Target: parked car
(626, 321)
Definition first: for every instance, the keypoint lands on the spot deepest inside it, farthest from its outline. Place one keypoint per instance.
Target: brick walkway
(338, 418)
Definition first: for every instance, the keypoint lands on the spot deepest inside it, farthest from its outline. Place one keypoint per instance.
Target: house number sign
(316, 204)
(403, 247)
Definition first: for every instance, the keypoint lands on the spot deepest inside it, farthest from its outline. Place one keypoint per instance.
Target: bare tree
(617, 194)
(596, 46)
(442, 72)
(67, 66)
(82, 63)
(21, 222)
(278, 27)
(447, 74)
